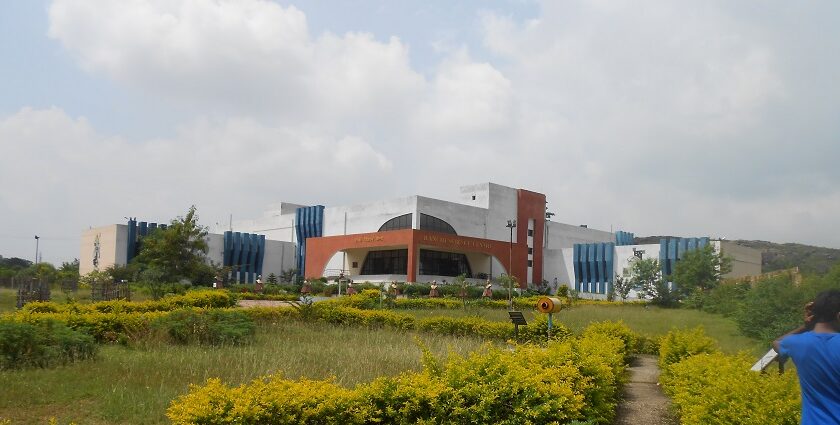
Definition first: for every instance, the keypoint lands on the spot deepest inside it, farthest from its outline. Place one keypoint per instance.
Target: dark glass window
(530, 250)
(397, 223)
(530, 263)
(437, 263)
(530, 232)
(393, 261)
(435, 224)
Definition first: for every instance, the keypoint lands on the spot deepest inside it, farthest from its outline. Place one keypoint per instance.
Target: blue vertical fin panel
(261, 254)
(246, 258)
(576, 265)
(609, 265)
(682, 248)
(599, 271)
(663, 254)
(309, 223)
(672, 255)
(254, 241)
(593, 267)
(584, 267)
(143, 228)
(152, 227)
(236, 259)
(131, 243)
(227, 252)
(691, 244)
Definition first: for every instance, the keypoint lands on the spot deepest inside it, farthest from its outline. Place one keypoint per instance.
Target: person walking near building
(815, 350)
(488, 290)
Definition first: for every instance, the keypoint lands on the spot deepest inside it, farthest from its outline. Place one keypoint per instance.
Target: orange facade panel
(319, 251)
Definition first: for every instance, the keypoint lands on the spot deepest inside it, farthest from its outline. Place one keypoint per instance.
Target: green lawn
(136, 385)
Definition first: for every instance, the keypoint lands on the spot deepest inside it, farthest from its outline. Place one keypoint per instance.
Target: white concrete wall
(500, 203)
(215, 248)
(465, 219)
(278, 227)
(746, 261)
(559, 235)
(113, 241)
(279, 256)
(365, 218)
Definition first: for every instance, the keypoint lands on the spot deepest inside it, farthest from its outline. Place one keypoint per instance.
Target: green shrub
(677, 345)
(210, 327)
(43, 345)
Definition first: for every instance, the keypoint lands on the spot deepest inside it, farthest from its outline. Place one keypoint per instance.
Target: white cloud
(655, 117)
(245, 56)
(65, 176)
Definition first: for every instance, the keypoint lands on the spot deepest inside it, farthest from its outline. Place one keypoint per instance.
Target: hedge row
(575, 379)
(186, 325)
(198, 298)
(369, 299)
(44, 345)
(708, 387)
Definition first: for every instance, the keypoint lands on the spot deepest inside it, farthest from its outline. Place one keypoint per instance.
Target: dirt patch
(262, 303)
(643, 401)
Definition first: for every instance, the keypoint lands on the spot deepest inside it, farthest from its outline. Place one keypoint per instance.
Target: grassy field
(646, 321)
(136, 385)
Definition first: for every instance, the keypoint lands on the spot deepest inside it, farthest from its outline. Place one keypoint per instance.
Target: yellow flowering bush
(104, 327)
(617, 330)
(719, 389)
(575, 379)
(680, 344)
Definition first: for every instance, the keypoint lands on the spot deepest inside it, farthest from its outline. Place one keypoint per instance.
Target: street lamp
(36, 249)
(511, 224)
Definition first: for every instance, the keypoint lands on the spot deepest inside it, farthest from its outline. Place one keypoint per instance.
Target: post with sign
(549, 305)
(517, 319)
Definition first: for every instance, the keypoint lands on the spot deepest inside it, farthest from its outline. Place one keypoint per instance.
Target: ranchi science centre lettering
(458, 242)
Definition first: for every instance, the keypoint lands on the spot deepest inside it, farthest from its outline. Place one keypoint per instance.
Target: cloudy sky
(714, 118)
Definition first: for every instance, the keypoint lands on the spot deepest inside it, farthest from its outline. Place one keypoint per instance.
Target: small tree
(646, 277)
(272, 278)
(152, 278)
(461, 282)
(178, 251)
(622, 285)
(508, 282)
(700, 270)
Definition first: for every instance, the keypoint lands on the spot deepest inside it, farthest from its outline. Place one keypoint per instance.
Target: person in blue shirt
(815, 350)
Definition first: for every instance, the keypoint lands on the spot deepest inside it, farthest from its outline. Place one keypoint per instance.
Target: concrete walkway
(644, 402)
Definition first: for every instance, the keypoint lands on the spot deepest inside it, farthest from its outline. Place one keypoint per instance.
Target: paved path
(644, 403)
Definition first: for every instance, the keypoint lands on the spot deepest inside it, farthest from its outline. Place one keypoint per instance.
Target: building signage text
(370, 238)
(460, 243)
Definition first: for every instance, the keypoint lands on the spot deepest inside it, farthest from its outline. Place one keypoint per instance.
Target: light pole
(511, 224)
(36, 249)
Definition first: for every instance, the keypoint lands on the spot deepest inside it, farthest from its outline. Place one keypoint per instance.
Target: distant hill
(779, 256)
